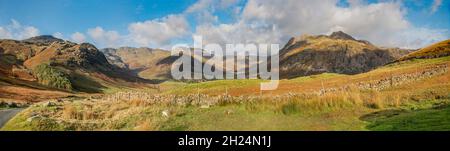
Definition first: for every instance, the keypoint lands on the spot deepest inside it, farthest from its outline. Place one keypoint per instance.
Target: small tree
(52, 77)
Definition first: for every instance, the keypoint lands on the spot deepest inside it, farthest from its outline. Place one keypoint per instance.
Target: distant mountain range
(305, 55)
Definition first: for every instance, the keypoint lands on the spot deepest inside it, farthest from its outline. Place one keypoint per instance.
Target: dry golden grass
(70, 112)
(144, 126)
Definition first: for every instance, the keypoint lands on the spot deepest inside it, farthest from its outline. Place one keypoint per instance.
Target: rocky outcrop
(113, 58)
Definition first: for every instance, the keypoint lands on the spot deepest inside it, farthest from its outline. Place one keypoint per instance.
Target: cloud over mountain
(104, 38)
(78, 37)
(158, 32)
(16, 30)
(267, 21)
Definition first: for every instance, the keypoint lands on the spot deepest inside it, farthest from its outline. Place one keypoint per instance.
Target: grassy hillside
(436, 50)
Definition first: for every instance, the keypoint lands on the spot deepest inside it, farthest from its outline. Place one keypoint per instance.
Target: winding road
(7, 114)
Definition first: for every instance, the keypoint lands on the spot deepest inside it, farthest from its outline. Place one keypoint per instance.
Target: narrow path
(7, 114)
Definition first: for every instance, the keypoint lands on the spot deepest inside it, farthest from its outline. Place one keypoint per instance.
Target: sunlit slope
(436, 50)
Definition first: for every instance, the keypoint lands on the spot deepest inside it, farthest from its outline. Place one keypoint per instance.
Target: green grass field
(434, 119)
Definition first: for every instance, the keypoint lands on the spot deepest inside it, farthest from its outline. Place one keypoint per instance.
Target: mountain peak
(341, 35)
(43, 39)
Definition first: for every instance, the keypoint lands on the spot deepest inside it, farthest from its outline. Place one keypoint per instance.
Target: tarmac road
(7, 114)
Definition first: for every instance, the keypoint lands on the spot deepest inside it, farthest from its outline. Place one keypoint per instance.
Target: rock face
(337, 53)
(113, 58)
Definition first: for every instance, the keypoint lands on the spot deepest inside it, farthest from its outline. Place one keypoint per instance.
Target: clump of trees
(52, 77)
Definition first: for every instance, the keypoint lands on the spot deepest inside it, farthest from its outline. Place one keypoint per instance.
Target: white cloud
(205, 10)
(4, 33)
(206, 17)
(78, 37)
(227, 3)
(158, 32)
(363, 21)
(28, 32)
(268, 21)
(416, 37)
(374, 22)
(355, 3)
(104, 38)
(199, 6)
(15, 30)
(435, 5)
(211, 5)
(58, 35)
(238, 33)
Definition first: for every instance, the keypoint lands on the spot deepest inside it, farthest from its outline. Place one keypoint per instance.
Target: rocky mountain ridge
(336, 53)
(80, 62)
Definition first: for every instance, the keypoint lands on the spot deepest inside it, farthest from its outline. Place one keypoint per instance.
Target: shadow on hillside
(167, 60)
(371, 117)
(427, 119)
(135, 74)
(333, 62)
(85, 84)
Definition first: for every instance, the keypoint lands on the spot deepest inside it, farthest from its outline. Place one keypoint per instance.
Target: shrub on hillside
(52, 77)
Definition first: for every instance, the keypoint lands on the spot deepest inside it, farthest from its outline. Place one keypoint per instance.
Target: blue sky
(221, 21)
(68, 16)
